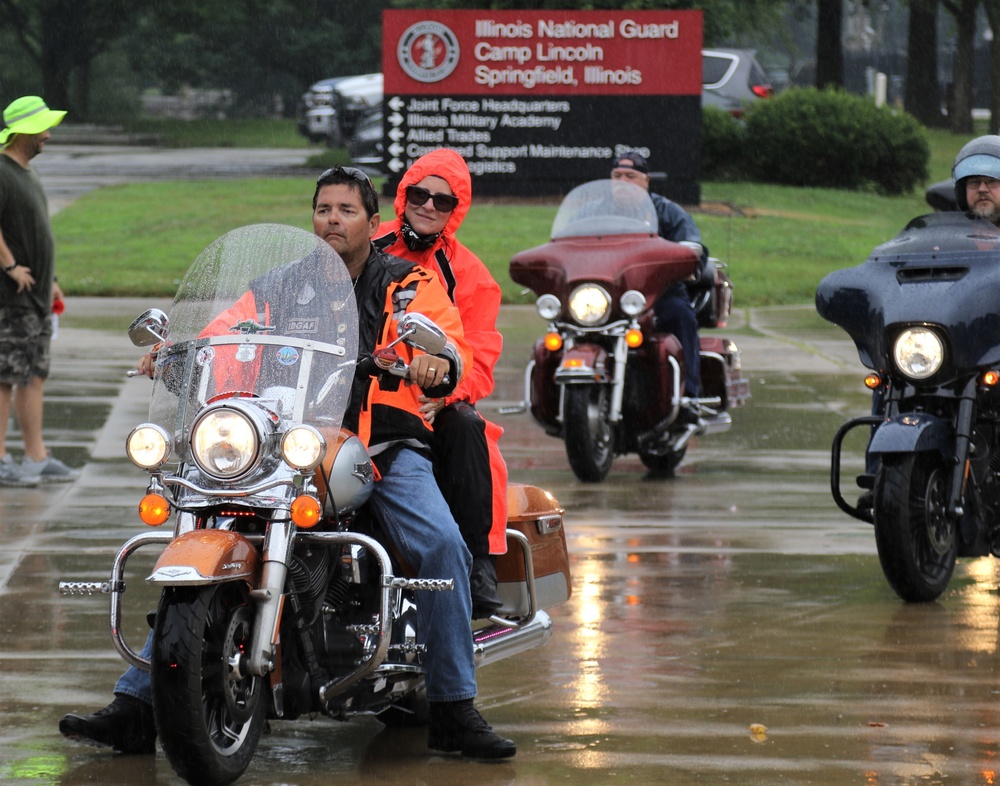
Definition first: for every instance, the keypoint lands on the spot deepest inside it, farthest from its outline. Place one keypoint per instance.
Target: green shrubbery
(809, 137)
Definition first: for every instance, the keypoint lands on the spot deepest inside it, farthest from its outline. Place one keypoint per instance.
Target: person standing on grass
(28, 290)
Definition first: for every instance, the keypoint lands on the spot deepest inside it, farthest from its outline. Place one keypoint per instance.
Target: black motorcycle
(923, 313)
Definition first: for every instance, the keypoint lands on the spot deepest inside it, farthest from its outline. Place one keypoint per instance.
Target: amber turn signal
(154, 510)
(633, 338)
(305, 511)
(991, 378)
(873, 381)
(553, 342)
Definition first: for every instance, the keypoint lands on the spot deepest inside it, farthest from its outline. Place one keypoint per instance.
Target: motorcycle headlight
(633, 303)
(303, 448)
(548, 307)
(225, 443)
(590, 305)
(148, 446)
(918, 352)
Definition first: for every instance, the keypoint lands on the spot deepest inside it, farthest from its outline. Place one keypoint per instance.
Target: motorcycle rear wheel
(209, 724)
(915, 536)
(589, 434)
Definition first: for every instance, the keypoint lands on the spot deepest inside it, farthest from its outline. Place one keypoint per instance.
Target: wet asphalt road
(731, 595)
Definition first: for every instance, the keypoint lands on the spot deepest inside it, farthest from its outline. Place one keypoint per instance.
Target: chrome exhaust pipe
(497, 642)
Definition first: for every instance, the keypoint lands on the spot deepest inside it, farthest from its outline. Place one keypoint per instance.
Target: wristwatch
(10, 267)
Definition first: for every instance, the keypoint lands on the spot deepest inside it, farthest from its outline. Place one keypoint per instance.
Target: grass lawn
(778, 241)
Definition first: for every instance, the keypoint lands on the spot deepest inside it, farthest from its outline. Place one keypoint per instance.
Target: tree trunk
(993, 15)
(923, 93)
(829, 47)
(960, 108)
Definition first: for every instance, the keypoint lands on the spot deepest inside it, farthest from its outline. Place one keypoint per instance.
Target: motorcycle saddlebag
(534, 513)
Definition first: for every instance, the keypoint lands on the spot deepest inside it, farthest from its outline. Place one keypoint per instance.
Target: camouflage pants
(24, 345)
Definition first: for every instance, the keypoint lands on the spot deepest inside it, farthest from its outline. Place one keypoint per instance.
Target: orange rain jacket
(474, 291)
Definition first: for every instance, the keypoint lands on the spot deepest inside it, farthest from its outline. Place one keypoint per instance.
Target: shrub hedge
(810, 137)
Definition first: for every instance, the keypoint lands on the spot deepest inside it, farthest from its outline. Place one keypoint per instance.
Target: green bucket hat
(28, 115)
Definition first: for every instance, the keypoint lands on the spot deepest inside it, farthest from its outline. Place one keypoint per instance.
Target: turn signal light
(553, 342)
(154, 510)
(991, 378)
(305, 511)
(873, 381)
(633, 338)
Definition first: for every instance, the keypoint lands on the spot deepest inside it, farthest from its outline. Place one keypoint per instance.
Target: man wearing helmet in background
(976, 172)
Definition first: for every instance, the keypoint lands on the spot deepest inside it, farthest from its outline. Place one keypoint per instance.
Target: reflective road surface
(728, 625)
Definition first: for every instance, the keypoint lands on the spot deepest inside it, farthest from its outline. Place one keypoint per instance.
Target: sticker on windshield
(288, 356)
(205, 356)
(245, 353)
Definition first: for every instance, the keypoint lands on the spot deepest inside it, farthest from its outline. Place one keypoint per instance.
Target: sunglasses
(443, 203)
(349, 171)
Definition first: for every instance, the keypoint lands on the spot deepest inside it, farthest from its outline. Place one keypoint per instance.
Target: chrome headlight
(590, 305)
(918, 352)
(548, 307)
(148, 446)
(633, 303)
(225, 443)
(303, 448)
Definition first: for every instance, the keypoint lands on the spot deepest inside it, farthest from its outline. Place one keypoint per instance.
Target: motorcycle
(279, 595)
(922, 312)
(603, 379)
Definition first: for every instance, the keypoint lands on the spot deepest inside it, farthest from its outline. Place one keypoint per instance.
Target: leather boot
(483, 584)
(126, 725)
(458, 726)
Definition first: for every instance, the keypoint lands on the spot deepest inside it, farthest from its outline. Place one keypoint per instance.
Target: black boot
(458, 726)
(126, 725)
(483, 583)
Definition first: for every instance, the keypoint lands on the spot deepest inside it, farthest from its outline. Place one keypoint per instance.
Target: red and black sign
(540, 101)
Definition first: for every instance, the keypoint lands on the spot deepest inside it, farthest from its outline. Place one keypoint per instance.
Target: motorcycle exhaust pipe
(497, 642)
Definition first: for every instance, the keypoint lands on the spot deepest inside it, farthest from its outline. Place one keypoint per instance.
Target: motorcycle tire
(589, 434)
(209, 725)
(915, 537)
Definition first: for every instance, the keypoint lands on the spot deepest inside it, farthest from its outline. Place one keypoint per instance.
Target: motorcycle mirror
(149, 327)
(420, 332)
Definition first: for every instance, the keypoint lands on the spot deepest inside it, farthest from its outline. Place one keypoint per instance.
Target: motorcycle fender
(583, 363)
(913, 432)
(206, 556)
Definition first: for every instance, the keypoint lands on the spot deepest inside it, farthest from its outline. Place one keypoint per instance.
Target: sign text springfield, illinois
(538, 100)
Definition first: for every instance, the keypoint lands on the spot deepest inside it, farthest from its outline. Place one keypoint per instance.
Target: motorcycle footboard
(835, 463)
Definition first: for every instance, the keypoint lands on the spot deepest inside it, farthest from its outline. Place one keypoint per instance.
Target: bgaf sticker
(302, 325)
(428, 51)
(205, 356)
(288, 356)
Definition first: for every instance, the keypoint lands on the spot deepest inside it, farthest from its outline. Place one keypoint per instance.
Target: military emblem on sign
(428, 51)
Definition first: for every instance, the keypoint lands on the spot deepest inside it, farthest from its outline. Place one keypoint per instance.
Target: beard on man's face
(987, 209)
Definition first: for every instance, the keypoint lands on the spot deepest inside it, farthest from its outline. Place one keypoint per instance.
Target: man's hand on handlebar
(427, 371)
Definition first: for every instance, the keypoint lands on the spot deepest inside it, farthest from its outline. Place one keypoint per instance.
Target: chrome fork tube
(268, 595)
(618, 380)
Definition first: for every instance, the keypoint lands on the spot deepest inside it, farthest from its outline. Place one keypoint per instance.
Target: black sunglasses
(443, 203)
(352, 172)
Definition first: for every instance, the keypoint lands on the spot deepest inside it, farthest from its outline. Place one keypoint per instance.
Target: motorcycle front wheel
(209, 719)
(914, 534)
(589, 434)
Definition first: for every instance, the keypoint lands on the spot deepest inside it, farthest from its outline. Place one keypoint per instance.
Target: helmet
(980, 157)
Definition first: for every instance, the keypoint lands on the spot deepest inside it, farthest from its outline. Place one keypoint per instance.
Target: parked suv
(732, 78)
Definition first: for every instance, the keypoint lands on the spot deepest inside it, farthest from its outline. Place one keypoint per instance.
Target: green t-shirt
(24, 222)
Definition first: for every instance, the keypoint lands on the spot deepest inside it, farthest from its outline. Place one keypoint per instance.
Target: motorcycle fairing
(942, 270)
(913, 432)
(206, 556)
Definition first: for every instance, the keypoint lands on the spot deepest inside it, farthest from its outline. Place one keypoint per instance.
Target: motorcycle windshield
(605, 207)
(265, 311)
(942, 269)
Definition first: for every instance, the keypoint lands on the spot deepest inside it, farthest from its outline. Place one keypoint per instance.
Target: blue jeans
(421, 526)
(417, 519)
(674, 315)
